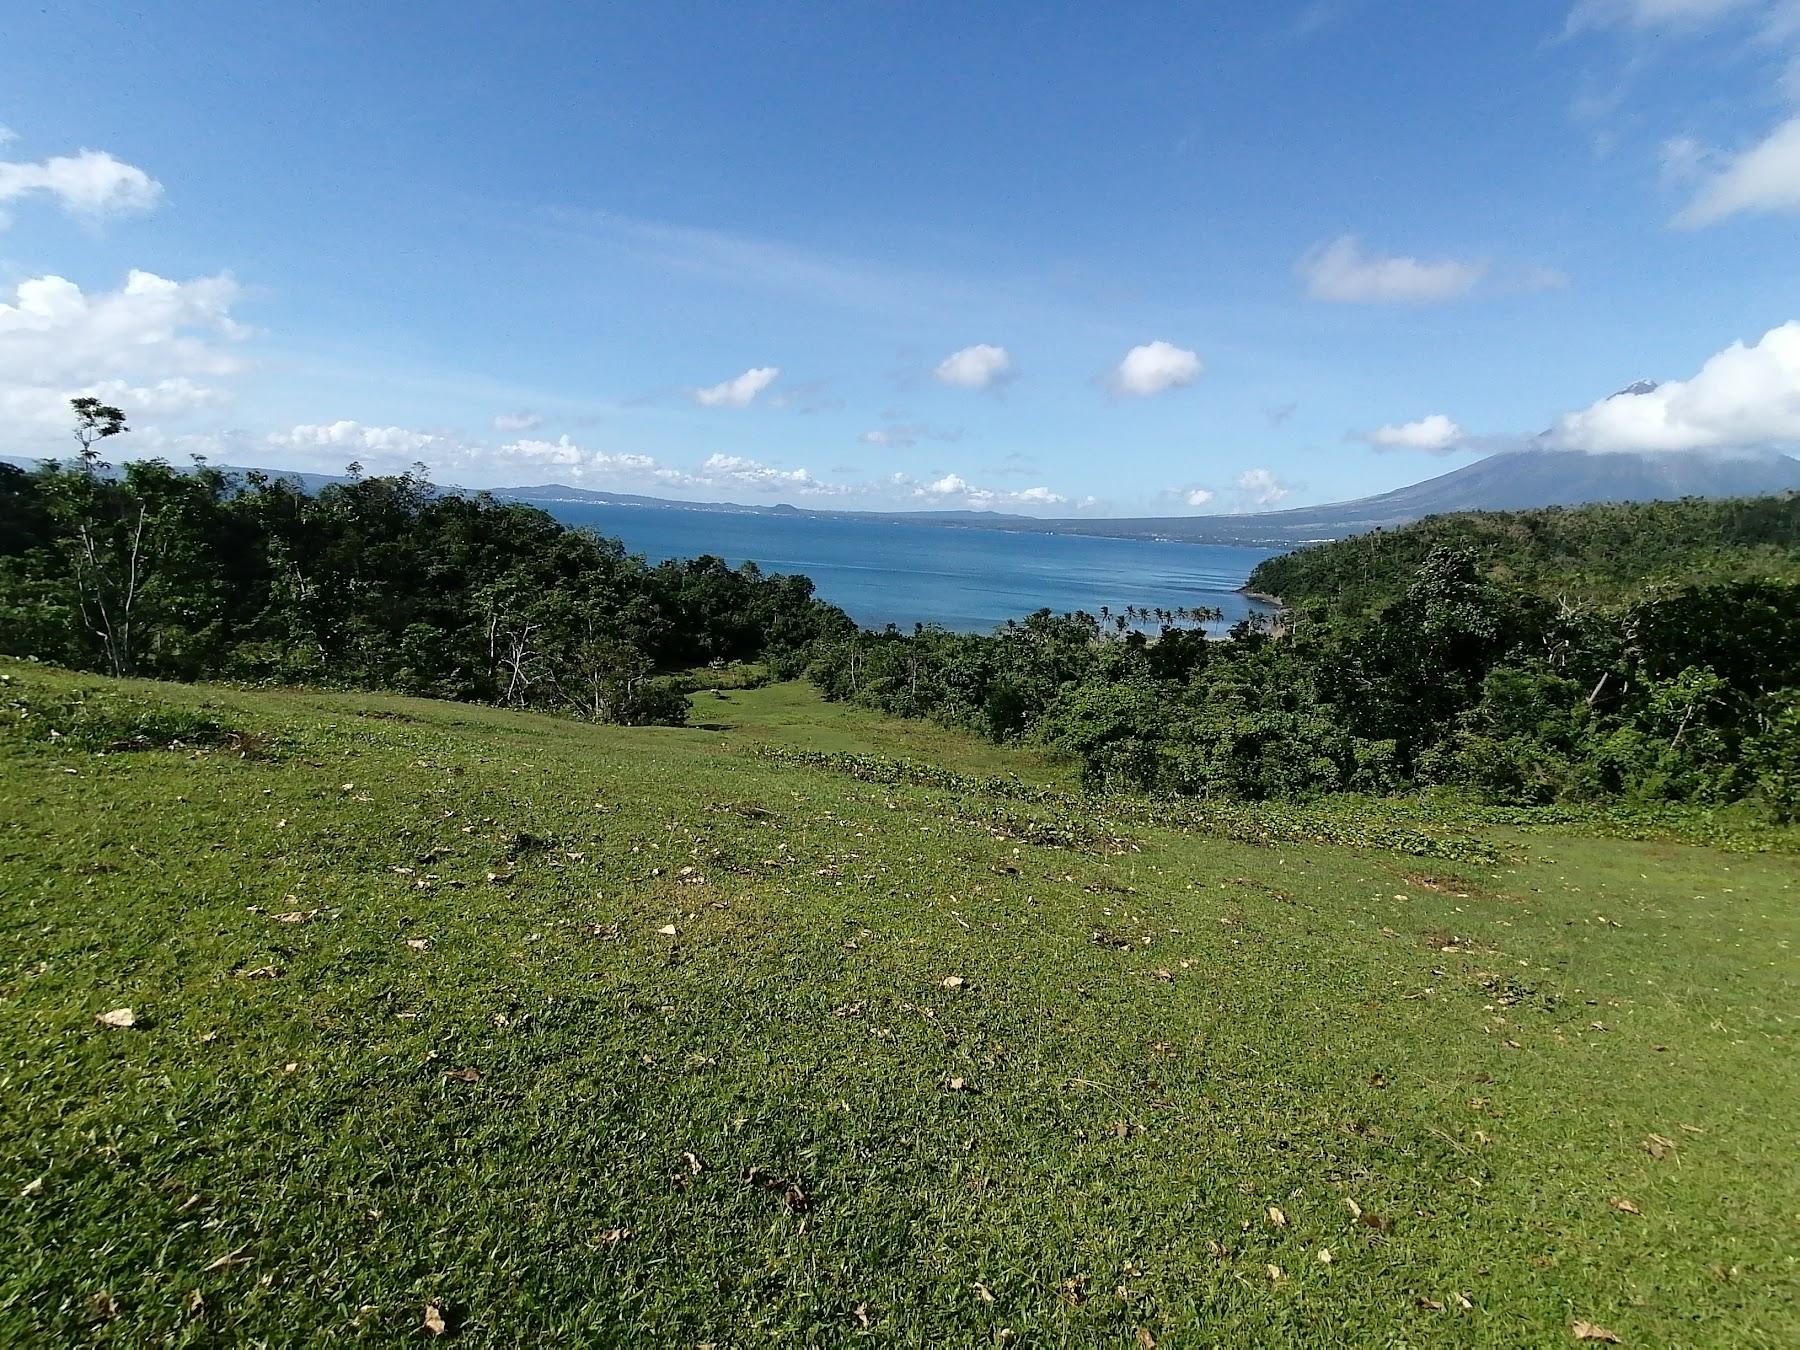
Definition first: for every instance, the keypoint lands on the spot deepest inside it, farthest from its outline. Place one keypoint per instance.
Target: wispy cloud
(1316, 17)
(1762, 178)
(738, 392)
(90, 184)
(1660, 15)
(1342, 273)
(902, 435)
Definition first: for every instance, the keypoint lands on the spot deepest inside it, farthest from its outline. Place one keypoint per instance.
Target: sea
(964, 579)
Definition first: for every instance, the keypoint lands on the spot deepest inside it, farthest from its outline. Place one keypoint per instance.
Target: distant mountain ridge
(1513, 480)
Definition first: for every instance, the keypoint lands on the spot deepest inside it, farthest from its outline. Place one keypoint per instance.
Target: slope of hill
(442, 1017)
(1512, 480)
(1524, 479)
(1588, 552)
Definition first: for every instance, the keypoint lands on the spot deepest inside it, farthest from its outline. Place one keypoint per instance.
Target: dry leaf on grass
(1429, 1304)
(667, 930)
(1624, 1206)
(118, 1017)
(463, 1075)
(437, 1321)
(238, 1257)
(1657, 1146)
(953, 982)
(1277, 1218)
(1325, 1257)
(1145, 1339)
(1587, 1331)
(419, 944)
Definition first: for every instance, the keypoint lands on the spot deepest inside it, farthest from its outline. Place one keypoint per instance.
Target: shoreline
(1262, 596)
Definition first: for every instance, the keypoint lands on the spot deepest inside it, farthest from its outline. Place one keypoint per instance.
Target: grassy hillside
(675, 1036)
(1586, 552)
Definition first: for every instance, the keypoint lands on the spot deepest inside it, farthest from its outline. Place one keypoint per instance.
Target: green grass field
(642, 1036)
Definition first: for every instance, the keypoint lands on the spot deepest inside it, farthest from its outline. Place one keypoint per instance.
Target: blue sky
(1102, 258)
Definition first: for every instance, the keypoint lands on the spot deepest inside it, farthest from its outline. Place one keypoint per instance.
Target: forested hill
(1593, 553)
(375, 583)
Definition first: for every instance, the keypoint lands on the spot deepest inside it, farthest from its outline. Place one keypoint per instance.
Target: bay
(964, 579)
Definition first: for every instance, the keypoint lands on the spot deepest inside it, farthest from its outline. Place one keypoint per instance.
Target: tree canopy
(378, 582)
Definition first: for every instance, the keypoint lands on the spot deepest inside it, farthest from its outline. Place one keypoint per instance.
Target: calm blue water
(966, 580)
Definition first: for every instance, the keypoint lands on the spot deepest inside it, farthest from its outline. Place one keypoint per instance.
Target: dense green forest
(1507, 654)
(1587, 553)
(376, 583)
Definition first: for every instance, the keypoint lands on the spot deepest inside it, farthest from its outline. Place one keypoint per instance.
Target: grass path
(412, 1029)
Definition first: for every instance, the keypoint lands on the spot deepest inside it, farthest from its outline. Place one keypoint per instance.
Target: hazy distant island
(1513, 480)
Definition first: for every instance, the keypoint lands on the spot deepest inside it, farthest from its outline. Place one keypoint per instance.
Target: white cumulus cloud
(1434, 434)
(979, 367)
(1765, 177)
(454, 459)
(91, 183)
(1198, 496)
(1153, 368)
(165, 398)
(1260, 488)
(1744, 397)
(1342, 273)
(741, 472)
(385, 445)
(562, 453)
(740, 392)
(148, 346)
(954, 490)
